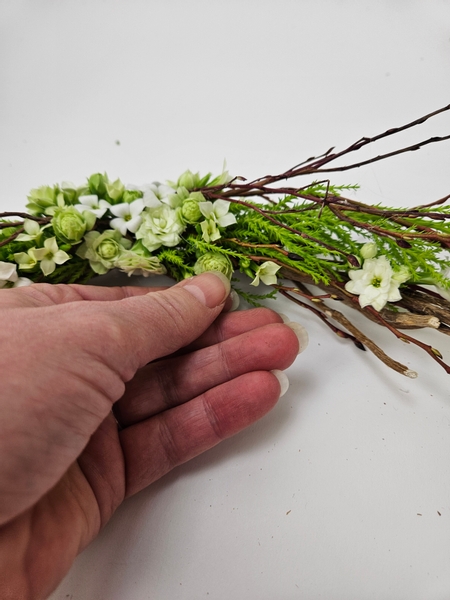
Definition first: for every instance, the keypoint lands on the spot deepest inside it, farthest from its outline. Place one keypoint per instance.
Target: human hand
(69, 355)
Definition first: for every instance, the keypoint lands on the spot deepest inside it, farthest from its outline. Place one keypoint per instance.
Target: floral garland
(376, 259)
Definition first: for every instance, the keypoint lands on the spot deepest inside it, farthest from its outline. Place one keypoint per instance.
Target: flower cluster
(377, 282)
(112, 226)
(140, 230)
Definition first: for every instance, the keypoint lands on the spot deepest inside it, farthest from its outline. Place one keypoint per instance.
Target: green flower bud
(115, 191)
(214, 261)
(131, 195)
(369, 250)
(108, 249)
(189, 180)
(401, 274)
(69, 225)
(190, 211)
(97, 184)
(69, 193)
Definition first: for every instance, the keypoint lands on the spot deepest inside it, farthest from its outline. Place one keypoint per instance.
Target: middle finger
(167, 383)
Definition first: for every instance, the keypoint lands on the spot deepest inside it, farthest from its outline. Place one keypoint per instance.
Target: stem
(351, 259)
(433, 352)
(22, 215)
(358, 335)
(11, 237)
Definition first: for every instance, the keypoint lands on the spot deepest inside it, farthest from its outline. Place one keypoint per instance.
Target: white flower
(376, 283)
(161, 226)
(9, 277)
(266, 273)
(32, 231)
(22, 282)
(217, 215)
(153, 194)
(128, 216)
(8, 272)
(92, 204)
(49, 256)
(170, 196)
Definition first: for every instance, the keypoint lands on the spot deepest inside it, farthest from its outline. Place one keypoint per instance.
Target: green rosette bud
(214, 261)
(103, 250)
(108, 250)
(70, 225)
(190, 209)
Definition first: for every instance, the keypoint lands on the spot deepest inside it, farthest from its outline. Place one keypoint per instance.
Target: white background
(335, 494)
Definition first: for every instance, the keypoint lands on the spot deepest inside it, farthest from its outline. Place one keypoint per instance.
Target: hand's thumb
(143, 328)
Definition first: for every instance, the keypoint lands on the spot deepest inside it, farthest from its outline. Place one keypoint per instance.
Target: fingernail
(235, 300)
(285, 318)
(282, 380)
(211, 288)
(301, 333)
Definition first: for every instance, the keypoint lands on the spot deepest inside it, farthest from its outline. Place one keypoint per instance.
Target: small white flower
(216, 215)
(9, 277)
(169, 195)
(49, 256)
(32, 231)
(128, 216)
(150, 198)
(376, 283)
(22, 282)
(266, 273)
(149, 193)
(8, 274)
(156, 193)
(218, 211)
(92, 204)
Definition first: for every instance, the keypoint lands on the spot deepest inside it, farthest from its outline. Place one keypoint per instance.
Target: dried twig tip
(411, 374)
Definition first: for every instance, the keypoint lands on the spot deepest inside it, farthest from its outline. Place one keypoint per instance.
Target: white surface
(321, 499)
